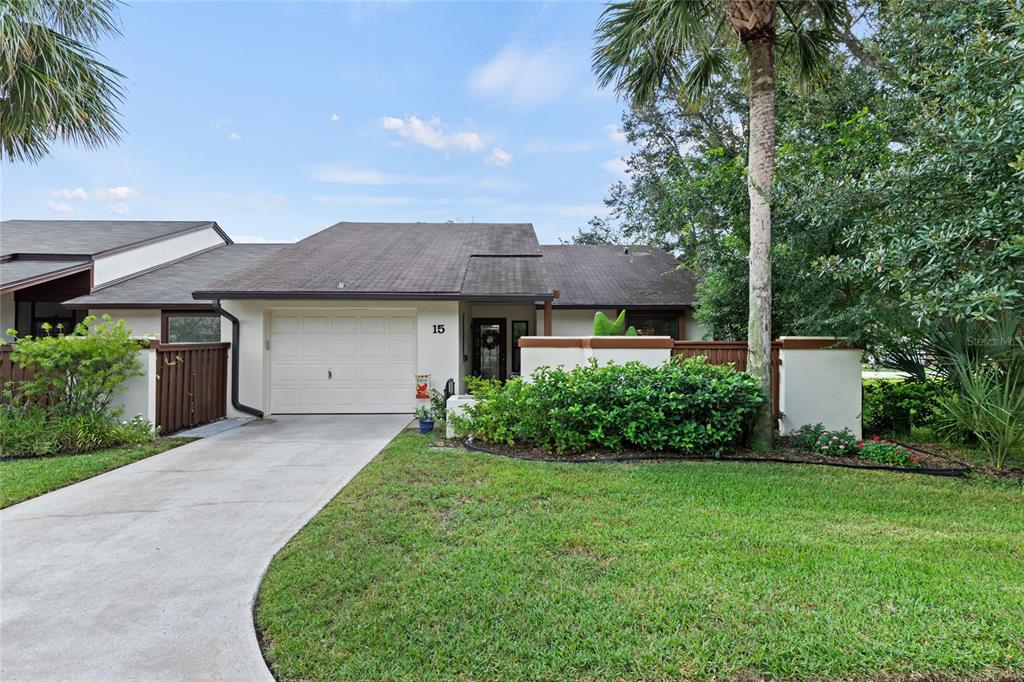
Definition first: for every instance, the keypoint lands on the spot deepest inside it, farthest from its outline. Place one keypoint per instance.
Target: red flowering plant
(885, 452)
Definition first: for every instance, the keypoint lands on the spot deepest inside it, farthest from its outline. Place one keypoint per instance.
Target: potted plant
(426, 417)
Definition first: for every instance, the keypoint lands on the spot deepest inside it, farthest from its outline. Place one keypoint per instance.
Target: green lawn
(21, 479)
(442, 565)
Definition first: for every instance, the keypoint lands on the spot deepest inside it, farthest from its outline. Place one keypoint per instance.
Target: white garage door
(362, 361)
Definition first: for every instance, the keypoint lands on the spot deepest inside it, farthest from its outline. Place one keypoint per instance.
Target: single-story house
(345, 320)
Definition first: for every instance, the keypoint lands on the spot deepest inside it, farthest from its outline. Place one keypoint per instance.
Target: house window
(190, 327)
(655, 324)
(31, 316)
(520, 328)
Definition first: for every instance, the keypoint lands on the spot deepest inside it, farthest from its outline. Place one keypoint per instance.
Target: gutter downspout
(235, 340)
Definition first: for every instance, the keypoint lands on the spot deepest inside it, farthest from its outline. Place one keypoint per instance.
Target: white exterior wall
(820, 385)
(124, 263)
(7, 316)
(573, 356)
(571, 321)
(694, 331)
(143, 322)
(139, 396)
(437, 354)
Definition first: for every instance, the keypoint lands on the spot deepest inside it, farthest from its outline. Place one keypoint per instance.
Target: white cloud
(499, 157)
(77, 193)
(614, 134)
(335, 118)
(118, 193)
(523, 78)
(59, 206)
(259, 239)
(616, 166)
(433, 134)
(345, 175)
(233, 136)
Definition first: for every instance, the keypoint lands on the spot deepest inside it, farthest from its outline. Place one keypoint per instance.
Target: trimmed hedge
(686, 406)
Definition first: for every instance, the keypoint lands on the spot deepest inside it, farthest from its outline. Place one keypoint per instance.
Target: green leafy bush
(836, 444)
(896, 406)
(32, 432)
(807, 436)
(683, 406)
(80, 372)
(884, 452)
(605, 326)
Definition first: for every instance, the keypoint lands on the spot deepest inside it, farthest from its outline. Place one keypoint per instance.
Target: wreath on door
(489, 340)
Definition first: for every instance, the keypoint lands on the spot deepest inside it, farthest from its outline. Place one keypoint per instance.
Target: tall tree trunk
(761, 165)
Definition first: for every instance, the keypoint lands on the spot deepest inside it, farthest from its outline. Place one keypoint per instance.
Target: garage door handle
(329, 375)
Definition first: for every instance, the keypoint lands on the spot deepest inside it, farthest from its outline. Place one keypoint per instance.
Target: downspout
(235, 340)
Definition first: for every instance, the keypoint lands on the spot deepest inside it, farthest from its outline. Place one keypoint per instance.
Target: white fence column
(139, 395)
(819, 381)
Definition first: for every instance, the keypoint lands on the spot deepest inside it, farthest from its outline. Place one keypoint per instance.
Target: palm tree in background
(52, 84)
(644, 46)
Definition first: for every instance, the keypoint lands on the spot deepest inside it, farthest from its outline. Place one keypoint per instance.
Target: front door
(489, 348)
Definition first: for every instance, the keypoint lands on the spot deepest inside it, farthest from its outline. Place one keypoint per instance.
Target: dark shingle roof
(508, 275)
(420, 259)
(86, 237)
(14, 271)
(174, 283)
(604, 275)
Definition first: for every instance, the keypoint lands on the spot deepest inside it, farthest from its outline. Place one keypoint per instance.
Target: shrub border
(612, 459)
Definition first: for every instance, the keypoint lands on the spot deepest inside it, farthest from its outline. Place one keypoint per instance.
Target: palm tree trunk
(761, 164)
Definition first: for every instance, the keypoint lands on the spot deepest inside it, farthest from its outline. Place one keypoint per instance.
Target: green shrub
(896, 406)
(836, 444)
(683, 406)
(807, 436)
(884, 452)
(32, 432)
(79, 372)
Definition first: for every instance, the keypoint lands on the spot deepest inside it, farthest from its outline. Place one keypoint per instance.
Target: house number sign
(439, 329)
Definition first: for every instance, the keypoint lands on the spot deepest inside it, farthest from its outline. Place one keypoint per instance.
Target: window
(520, 328)
(655, 324)
(190, 327)
(31, 316)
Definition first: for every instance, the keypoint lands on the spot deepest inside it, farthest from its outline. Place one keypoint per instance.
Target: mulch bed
(930, 463)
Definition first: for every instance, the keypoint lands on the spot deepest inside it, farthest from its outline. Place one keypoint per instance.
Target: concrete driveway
(149, 572)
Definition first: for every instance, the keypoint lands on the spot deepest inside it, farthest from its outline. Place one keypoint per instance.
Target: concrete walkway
(149, 572)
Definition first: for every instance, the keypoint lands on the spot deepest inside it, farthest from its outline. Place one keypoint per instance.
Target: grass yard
(21, 479)
(442, 565)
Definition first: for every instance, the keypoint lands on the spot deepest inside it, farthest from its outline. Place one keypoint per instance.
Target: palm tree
(52, 84)
(644, 46)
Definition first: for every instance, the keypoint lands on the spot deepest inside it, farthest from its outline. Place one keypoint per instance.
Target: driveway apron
(149, 572)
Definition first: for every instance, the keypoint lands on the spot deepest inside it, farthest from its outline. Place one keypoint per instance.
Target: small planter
(426, 426)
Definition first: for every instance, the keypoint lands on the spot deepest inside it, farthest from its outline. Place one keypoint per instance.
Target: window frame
(517, 354)
(168, 313)
(675, 316)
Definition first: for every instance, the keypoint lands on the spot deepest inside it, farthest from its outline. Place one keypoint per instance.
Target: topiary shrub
(686, 406)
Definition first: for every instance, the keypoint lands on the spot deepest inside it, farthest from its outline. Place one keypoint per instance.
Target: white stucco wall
(7, 319)
(571, 321)
(820, 385)
(124, 263)
(139, 396)
(437, 354)
(534, 357)
(144, 322)
(694, 330)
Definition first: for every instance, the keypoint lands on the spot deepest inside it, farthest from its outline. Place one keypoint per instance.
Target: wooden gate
(734, 353)
(191, 385)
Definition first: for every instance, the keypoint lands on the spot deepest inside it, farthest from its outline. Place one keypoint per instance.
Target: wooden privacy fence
(191, 384)
(734, 353)
(10, 372)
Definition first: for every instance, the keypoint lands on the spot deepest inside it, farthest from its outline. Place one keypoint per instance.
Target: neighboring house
(46, 262)
(345, 320)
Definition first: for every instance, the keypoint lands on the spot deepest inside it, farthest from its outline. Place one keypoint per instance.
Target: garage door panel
(371, 359)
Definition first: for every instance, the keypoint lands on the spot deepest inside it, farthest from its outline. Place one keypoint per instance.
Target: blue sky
(279, 119)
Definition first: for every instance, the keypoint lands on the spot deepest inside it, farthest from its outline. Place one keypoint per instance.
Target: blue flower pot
(426, 426)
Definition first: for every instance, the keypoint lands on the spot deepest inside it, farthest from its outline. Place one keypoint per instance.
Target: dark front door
(489, 348)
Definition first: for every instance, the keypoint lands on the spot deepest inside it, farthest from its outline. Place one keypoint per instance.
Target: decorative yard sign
(422, 387)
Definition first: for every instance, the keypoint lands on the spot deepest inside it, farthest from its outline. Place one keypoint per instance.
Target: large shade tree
(644, 46)
(53, 85)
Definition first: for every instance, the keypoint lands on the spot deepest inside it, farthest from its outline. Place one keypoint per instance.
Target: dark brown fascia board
(619, 306)
(21, 255)
(354, 295)
(40, 279)
(198, 305)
